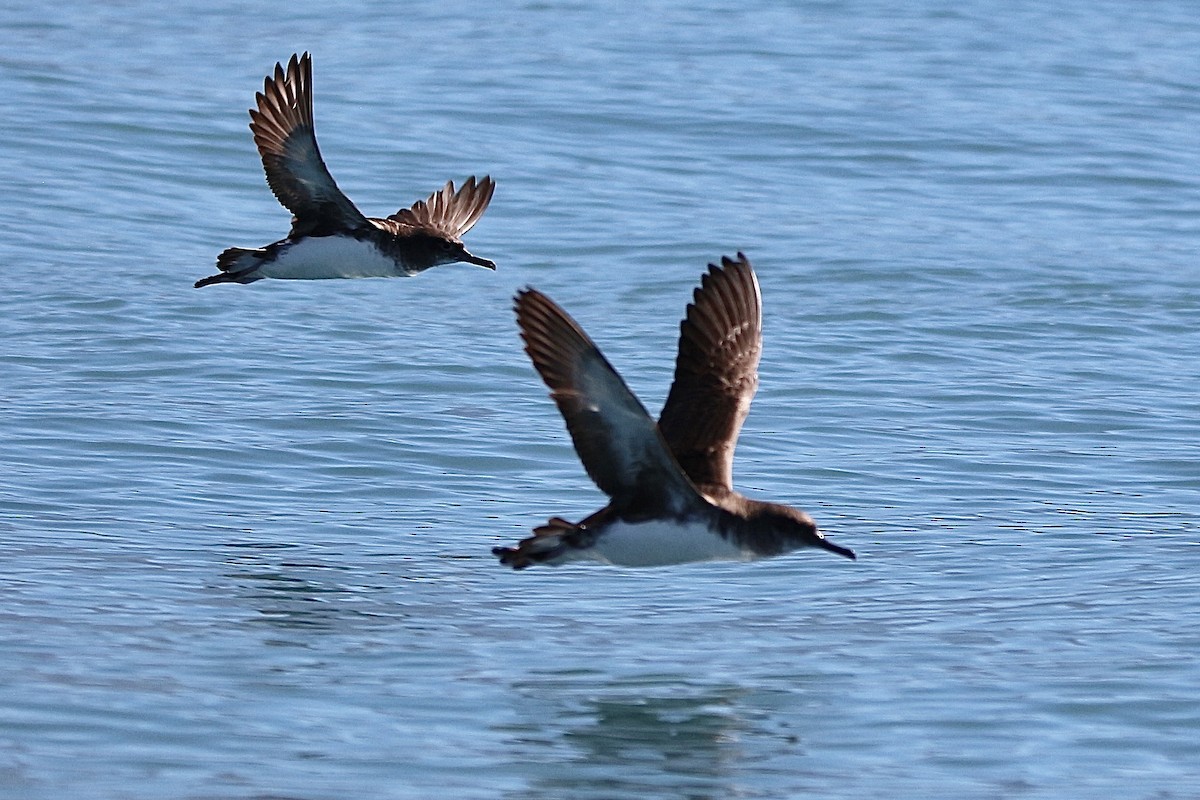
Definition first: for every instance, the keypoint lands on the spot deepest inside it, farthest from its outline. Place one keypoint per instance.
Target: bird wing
(716, 373)
(283, 131)
(616, 439)
(448, 212)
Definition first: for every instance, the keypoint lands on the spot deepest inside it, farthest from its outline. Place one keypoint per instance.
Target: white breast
(658, 543)
(319, 257)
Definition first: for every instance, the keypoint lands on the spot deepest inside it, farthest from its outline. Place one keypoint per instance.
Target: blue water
(245, 531)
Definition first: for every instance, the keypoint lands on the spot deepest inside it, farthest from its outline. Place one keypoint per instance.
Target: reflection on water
(291, 590)
(636, 737)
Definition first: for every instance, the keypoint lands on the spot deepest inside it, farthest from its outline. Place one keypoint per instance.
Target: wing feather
(448, 212)
(716, 373)
(283, 130)
(616, 439)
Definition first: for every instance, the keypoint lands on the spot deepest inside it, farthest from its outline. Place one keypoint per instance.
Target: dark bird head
(792, 529)
(432, 229)
(425, 250)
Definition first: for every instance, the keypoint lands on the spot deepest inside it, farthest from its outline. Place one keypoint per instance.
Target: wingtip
(529, 306)
(298, 61)
(524, 298)
(735, 279)
(737, 262)
(540, 317)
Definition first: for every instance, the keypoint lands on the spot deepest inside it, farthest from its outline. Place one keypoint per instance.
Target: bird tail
(237, 265)
(550, 544)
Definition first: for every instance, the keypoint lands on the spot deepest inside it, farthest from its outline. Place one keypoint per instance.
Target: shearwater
(670, 482)
(330, 237)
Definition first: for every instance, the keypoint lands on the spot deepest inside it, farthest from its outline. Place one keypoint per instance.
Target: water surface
(245, 531)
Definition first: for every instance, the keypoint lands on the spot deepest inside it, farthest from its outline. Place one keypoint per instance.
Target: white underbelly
(658, 543)
(319, 257)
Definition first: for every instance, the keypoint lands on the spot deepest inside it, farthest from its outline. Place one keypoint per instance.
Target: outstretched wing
(283, 131)
(616, 439)
(716, 372)
(448, 212)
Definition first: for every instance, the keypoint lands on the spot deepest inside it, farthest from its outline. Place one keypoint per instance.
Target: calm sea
(245, 531)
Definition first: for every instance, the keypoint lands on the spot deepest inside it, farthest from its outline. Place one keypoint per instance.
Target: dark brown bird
(330, 237)
(670, 483)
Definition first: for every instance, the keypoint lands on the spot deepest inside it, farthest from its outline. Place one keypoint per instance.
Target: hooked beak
(477, 261)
